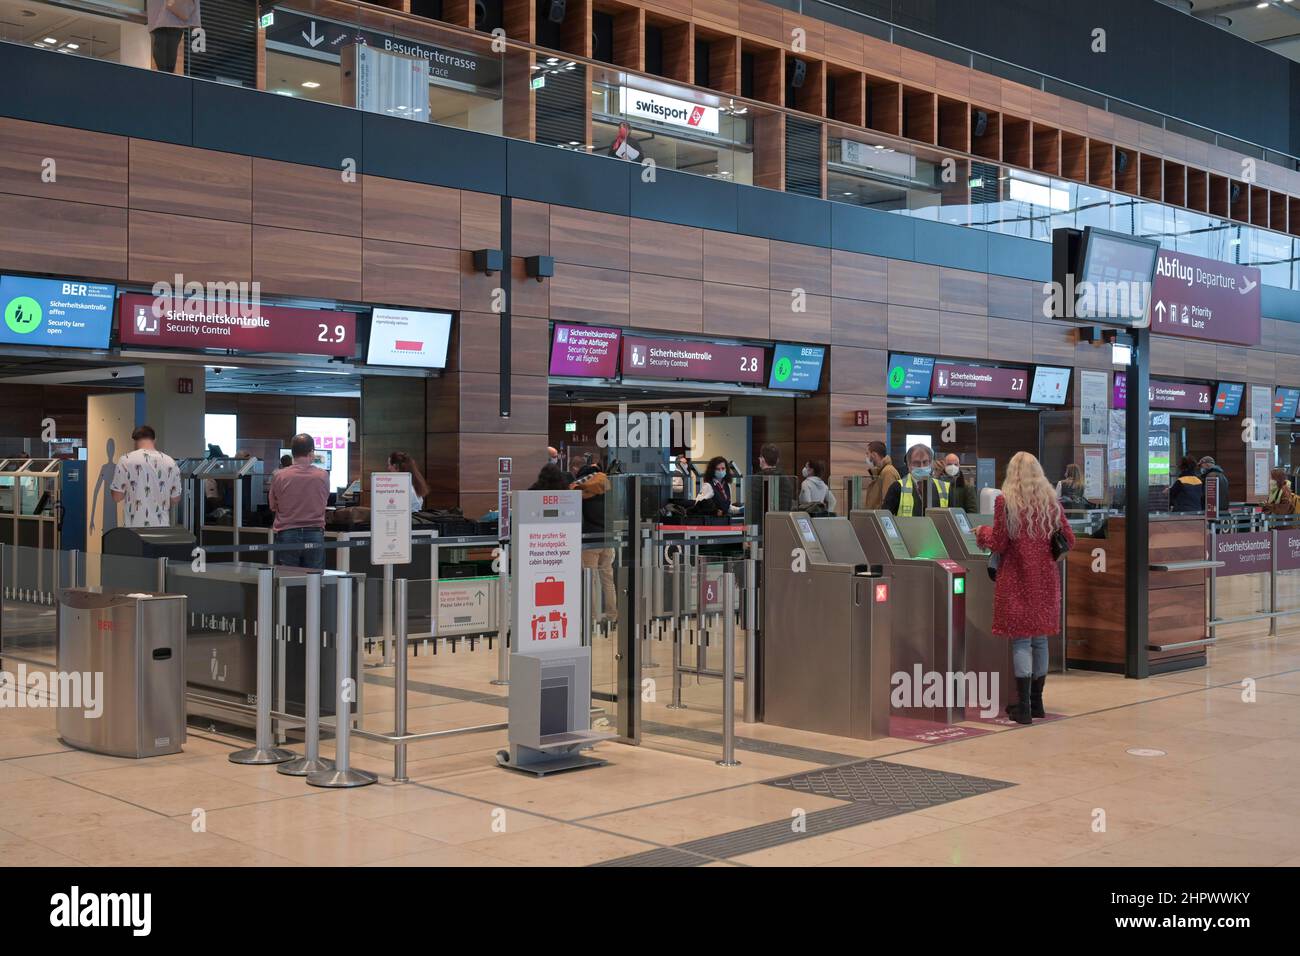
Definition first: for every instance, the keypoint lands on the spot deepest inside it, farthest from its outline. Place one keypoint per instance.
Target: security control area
(613, 326)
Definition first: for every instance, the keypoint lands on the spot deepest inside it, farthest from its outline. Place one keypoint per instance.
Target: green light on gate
(959, 585)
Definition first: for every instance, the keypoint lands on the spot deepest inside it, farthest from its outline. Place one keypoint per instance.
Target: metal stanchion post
(504, 618)
(263, 752)
(399, 684)
(751, 642)
(1214, 552)
(1272, 583)
(162, 576)
(728, 673)
(388, 615)
(311, 761)
(680, 574)
(342, 775)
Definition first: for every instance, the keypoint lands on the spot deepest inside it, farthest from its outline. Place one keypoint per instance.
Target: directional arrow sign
(315, 39)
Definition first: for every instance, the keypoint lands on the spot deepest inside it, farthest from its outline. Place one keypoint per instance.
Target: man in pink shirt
(298, 496)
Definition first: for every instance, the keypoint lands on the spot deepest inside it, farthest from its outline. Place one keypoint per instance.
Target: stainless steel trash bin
(136, 641)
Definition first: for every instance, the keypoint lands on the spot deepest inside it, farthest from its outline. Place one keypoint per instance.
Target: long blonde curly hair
(1029, 498)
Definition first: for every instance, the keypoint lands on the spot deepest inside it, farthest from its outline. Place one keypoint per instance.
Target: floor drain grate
(889, 784)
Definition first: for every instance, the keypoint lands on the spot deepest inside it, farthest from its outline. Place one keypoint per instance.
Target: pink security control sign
(692, 361)
(238, 326)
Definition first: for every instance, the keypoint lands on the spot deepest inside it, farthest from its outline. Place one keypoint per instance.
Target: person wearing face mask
(814, 489)
(552, 455)
(908, 496)
(1281, 500)
(883, 474)
(714, 497)
(961, 489)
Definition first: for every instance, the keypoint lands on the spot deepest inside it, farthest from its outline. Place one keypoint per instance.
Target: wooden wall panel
(738, 260)
(913, 284)
(88, 167)
(215, 185)
(584, 294)
(855, 275)
(793, 266)
(305, 197)
(912, 329)
(77, 239)
(203, 250)
(480, 221)
(1010, 298)
(665, 249)
(857, 371)
(292, 262)
(962, 291)
(966, 336)
(480, 395)
(1010, 340)
(811, 325)
(398, 273)
(589, 238)
(663, 302)
(736, 310)
(856, 322)
(412, 213)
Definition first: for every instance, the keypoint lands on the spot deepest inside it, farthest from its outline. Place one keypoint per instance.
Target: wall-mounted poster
(1094, 396)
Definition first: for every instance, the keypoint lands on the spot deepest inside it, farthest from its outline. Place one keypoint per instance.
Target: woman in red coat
(1027, 591)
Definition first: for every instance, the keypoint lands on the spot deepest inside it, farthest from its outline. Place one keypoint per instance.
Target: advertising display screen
(1227, 398)
(242, 327)
(1118, 270)
(408, 339)
(1168, 396)
(692, 361)
(1051, 385)
(58, 312)
(584, 351)
(909, 375)
(1284, 404)
(797, 367)
(980, 381)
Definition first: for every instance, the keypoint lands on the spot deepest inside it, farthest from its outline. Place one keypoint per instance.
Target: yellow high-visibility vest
(905, 495)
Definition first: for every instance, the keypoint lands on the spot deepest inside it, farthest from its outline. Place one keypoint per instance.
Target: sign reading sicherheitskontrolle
(144, 322)
(390, 517)
(546, 570)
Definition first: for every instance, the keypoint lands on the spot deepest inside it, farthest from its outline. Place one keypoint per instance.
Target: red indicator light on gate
(882, 593)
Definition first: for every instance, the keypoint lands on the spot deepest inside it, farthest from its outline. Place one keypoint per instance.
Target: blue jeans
(1029, 656)
(306, 558)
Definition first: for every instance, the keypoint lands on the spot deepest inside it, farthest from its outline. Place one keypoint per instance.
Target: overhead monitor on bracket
(409, 339)
(797, 367)
(1227, 398)
(1284, 404)
(1050, 386)
(1102, 276)
(909, 376)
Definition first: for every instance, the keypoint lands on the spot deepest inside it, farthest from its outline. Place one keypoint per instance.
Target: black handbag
(1060, 544)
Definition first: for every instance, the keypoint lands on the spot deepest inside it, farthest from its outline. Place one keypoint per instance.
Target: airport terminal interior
(604, 433)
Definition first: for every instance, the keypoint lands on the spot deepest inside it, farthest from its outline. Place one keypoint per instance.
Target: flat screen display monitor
(1118, 271)
(65, 313)
(409, 339)
(1050, 386)
(909, 376)
(1227, 398)
(980, 381)
(1284, 404)
(584, 351)
(797, 367)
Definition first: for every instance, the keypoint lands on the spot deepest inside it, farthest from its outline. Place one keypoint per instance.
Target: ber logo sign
(669, 110)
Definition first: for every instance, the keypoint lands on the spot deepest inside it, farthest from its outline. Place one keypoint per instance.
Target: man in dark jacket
(1207, 467)
(769, 468)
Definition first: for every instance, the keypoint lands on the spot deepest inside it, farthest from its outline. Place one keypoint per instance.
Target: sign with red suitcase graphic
(548, 591)
(546, 569)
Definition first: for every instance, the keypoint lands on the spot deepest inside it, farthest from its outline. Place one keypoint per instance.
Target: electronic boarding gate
(929, 597)
(550, 669)
(986, 653)
(826, 629)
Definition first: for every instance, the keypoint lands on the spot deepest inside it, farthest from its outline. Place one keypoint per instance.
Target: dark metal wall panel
(429, 153)
(941, 244)
(547, 174)
(783, 216)
(94, 95)
(855, 229)
(684, 198)
(235, 120)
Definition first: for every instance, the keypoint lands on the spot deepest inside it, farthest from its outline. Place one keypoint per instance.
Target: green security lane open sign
(56, 312)
(797, 367)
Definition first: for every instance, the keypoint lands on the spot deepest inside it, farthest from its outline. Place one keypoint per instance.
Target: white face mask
(1272, 485)
(807, 472)
(953, 470)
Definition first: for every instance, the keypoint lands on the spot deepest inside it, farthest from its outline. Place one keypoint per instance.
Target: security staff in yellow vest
(907, 496)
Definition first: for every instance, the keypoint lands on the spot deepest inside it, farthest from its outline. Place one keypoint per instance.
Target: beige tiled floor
(1224, 793)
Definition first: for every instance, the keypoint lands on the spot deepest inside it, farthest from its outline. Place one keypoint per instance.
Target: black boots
(1020, 711)
(1036, 697)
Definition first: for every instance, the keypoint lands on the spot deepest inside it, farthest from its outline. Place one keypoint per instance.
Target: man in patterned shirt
(148, 481)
